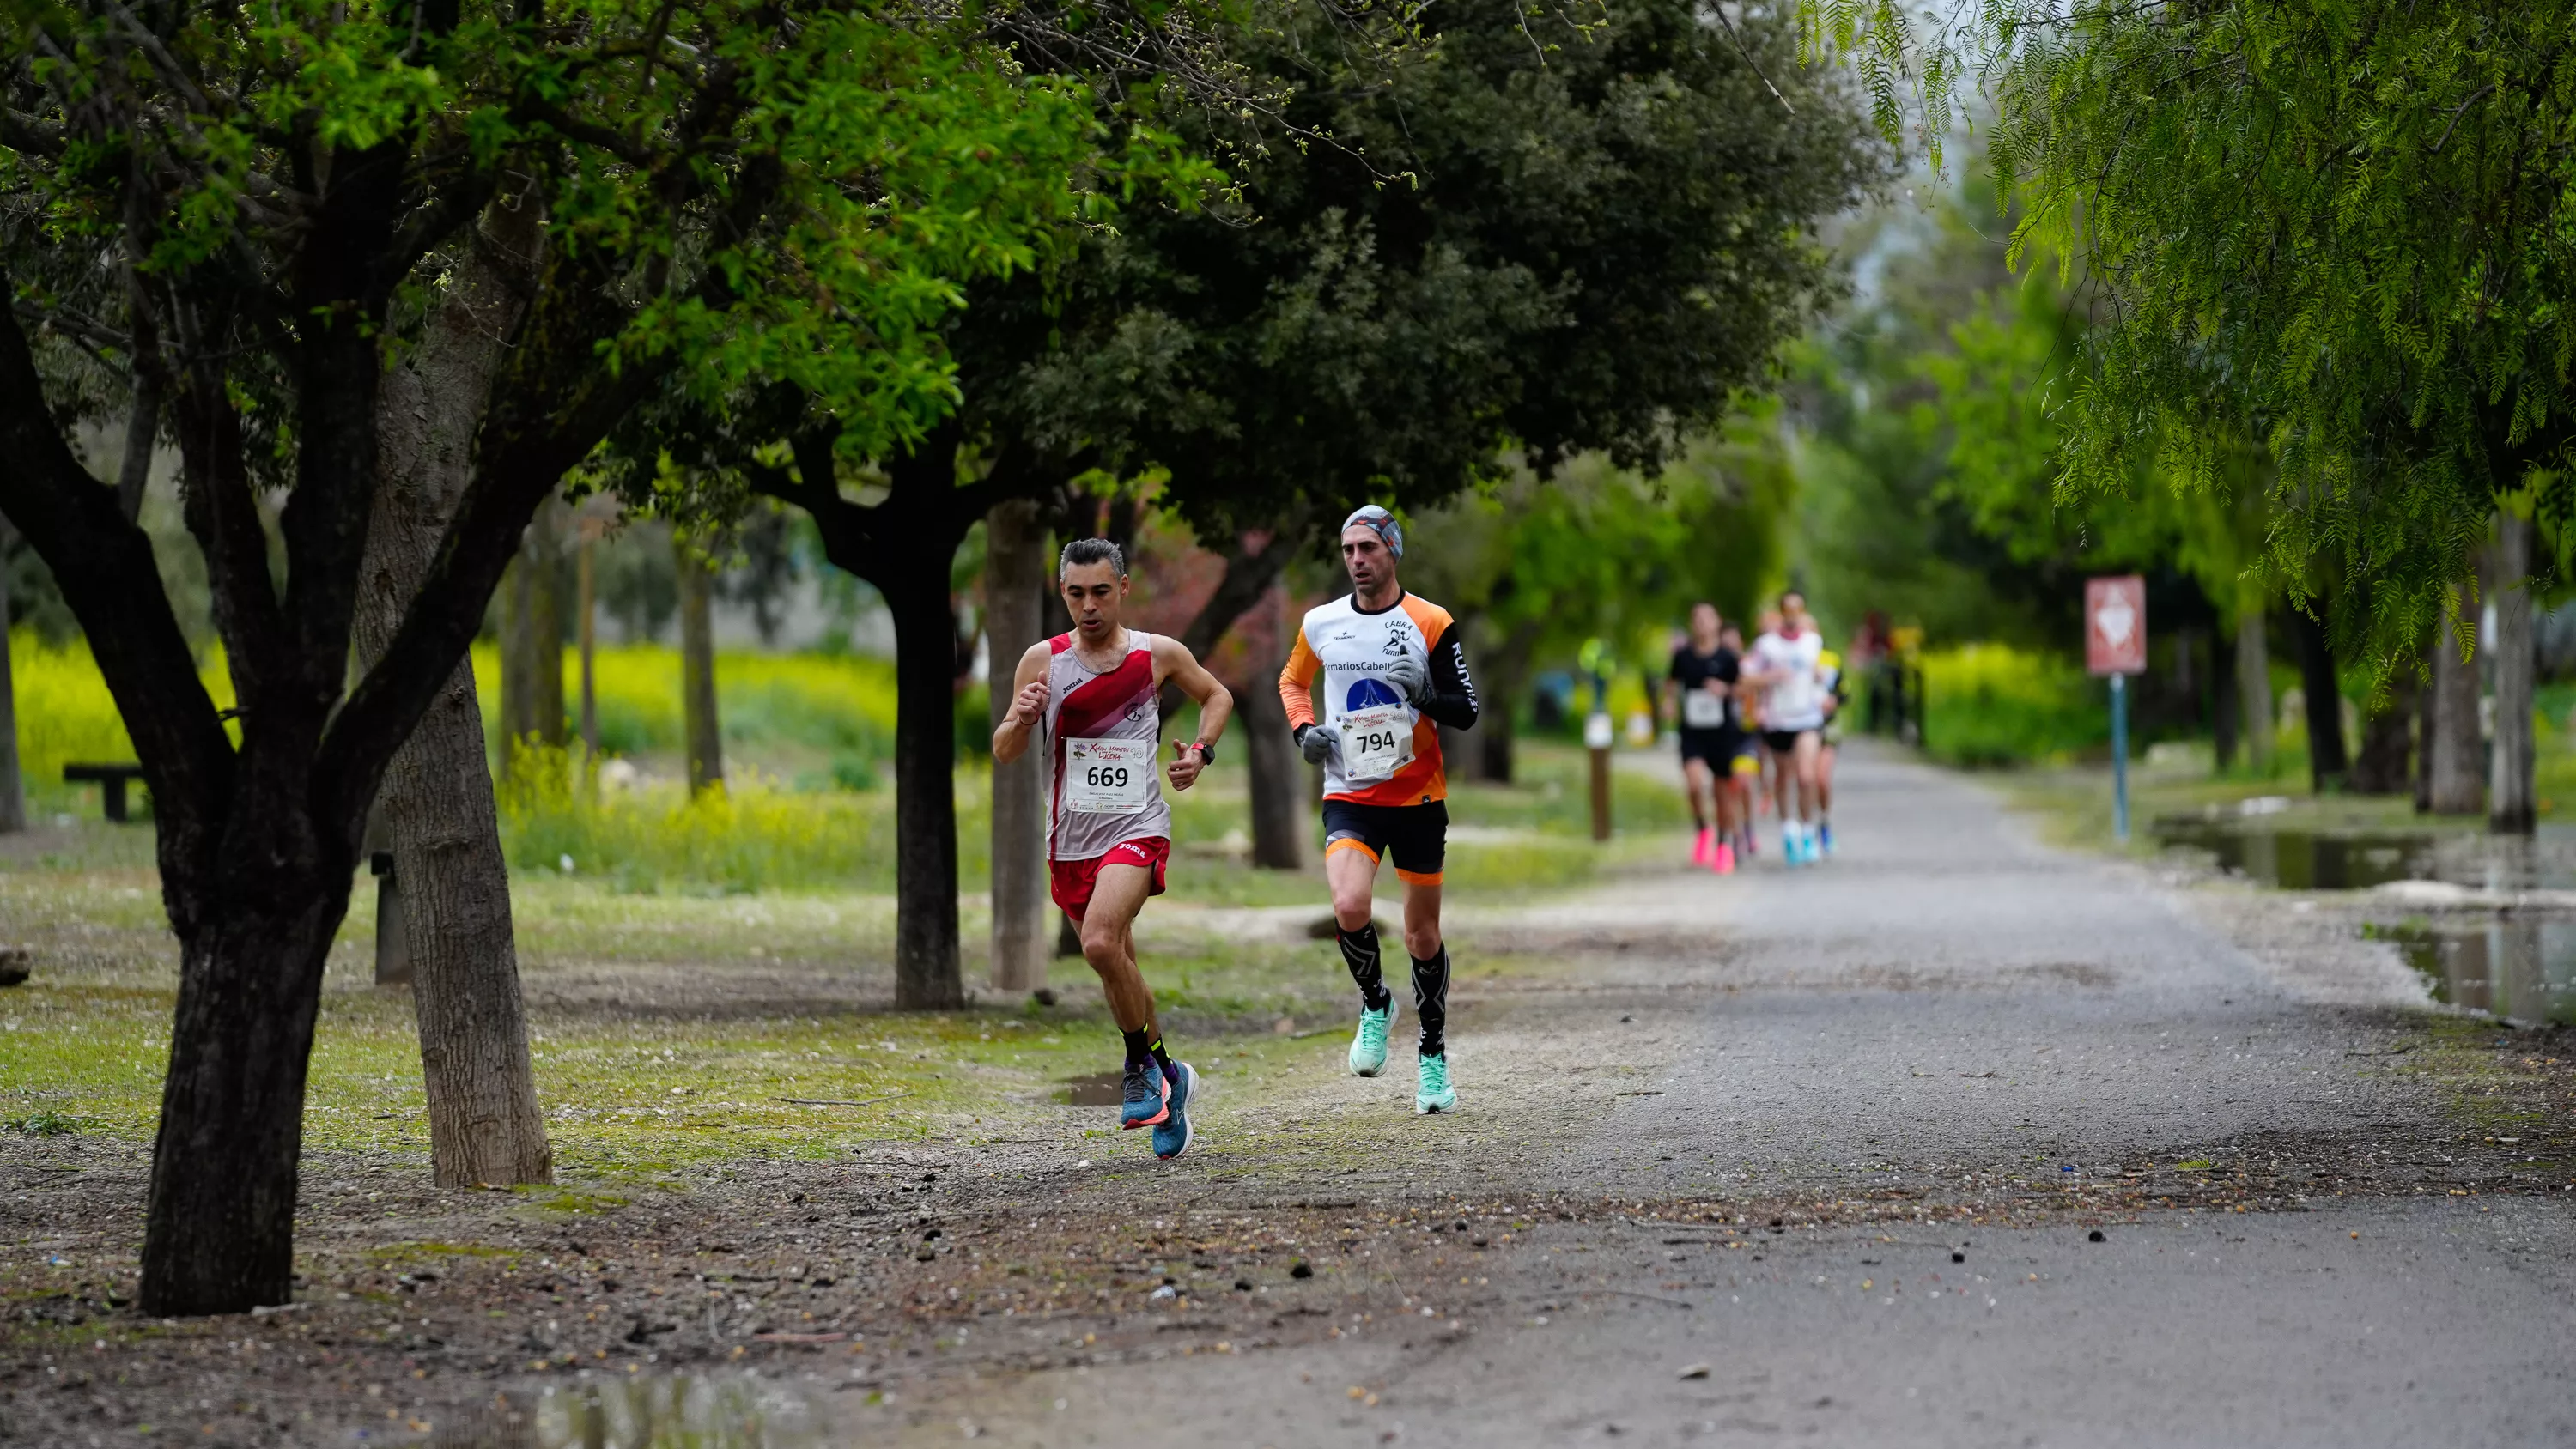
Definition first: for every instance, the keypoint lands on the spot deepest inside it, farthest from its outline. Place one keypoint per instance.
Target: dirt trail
(1817, 1154)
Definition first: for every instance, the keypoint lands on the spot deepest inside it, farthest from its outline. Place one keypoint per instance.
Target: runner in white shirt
(1793, 715)
(1094, 693)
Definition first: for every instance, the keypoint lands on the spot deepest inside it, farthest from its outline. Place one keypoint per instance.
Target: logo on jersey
(1369, 694)
(1394, 638)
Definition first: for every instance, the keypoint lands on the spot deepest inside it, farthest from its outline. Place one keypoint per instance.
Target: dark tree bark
(2327, 761)
(704, 732)
(1283, 814)
(2387, 747)
(2223, 717)
(905, 546)
(13, 793)
(485, 1125)
(2458, 763)
(1015, 577)
(142, 430)
(2512, 800)
(2425, 694)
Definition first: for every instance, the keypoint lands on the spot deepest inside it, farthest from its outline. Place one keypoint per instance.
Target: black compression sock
(1359, 952)
(1138, 1051)
(1156, 1047)
(1431, 1001)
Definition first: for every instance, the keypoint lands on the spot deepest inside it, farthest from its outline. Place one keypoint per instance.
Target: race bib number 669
(1376, 743)
(1108, 777)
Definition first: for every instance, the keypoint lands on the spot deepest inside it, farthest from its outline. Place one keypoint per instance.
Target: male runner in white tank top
(1109, 835)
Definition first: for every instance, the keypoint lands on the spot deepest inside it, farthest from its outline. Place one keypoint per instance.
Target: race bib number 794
(1376, 743)
(1108, 777)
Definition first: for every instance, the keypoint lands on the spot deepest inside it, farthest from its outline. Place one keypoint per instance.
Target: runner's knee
(1422, 942)
(1352, 911)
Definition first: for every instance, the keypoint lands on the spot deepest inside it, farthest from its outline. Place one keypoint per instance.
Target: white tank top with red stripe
(1101, 733)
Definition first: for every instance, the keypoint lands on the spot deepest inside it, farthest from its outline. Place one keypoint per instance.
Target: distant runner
(1699, 692)
(1793, 718)
(1829, 674)
(1109, 834)
(1391, 669)
(1743, 780)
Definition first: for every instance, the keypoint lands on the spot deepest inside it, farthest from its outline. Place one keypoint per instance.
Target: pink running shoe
(1724, 861)
(1704, 847)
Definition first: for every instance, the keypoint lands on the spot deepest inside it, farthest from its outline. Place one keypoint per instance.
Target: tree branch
(105, 568)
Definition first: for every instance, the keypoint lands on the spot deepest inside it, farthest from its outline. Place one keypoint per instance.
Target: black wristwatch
(1207, 753)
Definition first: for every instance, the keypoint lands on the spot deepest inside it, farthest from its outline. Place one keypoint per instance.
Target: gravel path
(1953, 1140)
(1942, 1063)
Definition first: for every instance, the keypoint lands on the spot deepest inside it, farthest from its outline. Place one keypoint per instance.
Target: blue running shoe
(1825, 837)
(1145, 1097)
(1435, 1093)
(1368, 1045)
(1172, 1135)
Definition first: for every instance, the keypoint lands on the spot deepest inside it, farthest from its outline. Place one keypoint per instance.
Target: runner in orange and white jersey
(1372, 677)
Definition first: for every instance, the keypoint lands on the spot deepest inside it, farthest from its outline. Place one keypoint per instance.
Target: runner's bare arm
(1028, 706)
(1174, 662)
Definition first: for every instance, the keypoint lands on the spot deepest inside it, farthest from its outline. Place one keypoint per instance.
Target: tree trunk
(13, 794)
(2382, 767)
(2456, 762)
(485, 1124)
(2327, 762)
(2254, 685)
(219, 1228)
(2424, 694)
(1014, 584)
(2223, 716)
(588, 608)
(142, 428)
(1282, 813)
(698, 668)
(518, 648)
(546, 615)
(1505, 672)
(926, 973)
(2511, 806)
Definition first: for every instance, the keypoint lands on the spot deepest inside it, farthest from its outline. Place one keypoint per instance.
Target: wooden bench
(111, 781)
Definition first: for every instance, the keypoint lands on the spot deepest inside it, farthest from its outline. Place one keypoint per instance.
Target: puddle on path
(2520, 971)
(2297, 858)
(1093, 1089)
(672, 1411)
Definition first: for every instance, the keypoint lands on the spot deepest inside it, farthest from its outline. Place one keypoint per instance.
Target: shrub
(1992, 704)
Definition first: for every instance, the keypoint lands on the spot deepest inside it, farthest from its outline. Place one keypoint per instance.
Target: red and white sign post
(2115, 644)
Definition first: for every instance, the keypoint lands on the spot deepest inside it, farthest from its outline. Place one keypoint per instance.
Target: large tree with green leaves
(2338, 226)
(1504, 230)
(788, 191)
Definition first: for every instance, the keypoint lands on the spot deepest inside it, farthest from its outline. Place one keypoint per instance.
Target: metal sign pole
(2120, 757)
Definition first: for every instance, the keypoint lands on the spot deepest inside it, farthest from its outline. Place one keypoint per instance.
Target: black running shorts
(1415, 836)
(1783, 742)
(1715, 748)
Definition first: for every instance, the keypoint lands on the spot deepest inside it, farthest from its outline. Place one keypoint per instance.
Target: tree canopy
(2336, 227)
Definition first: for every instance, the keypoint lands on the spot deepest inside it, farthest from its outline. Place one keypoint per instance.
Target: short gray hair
(1091, 551)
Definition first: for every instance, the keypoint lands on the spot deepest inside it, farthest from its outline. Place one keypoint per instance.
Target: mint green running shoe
(1434, 1095)
(1368, 1046)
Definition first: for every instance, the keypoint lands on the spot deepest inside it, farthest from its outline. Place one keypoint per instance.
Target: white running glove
(1319, 743)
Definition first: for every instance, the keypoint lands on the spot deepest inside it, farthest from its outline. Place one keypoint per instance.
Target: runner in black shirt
(1699, 696)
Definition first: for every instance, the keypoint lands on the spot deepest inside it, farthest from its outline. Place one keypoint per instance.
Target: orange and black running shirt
(1339, 664)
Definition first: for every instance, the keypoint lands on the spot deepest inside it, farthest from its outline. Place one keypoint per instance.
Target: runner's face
(1703, 627)
(1365, 555)
(1093, 593)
